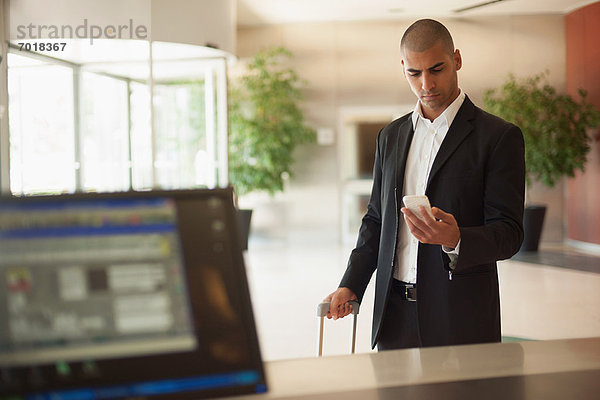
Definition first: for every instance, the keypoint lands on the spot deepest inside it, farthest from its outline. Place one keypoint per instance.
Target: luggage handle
(323, 309)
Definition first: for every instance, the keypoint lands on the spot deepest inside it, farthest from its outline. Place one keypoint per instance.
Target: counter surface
(563, 369)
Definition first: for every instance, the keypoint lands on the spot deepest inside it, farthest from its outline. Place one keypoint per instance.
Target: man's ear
(403, 69)
(457, 59)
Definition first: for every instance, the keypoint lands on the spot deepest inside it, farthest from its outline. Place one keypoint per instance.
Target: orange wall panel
(583, 71)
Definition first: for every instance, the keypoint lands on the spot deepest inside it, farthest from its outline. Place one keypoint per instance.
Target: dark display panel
(124, 295)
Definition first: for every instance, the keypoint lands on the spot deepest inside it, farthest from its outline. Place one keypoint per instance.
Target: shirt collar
(447, 116)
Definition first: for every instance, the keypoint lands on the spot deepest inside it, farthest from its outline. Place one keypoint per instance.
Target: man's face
(432, 77)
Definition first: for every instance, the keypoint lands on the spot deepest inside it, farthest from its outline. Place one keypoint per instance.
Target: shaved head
(430, 65)
(424, 34)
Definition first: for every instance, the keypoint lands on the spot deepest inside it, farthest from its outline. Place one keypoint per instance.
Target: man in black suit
(437, 280)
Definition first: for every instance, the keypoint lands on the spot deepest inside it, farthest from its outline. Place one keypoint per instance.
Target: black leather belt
(407, 291)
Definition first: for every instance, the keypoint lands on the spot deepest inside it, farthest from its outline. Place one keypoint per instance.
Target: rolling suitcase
(322, 310)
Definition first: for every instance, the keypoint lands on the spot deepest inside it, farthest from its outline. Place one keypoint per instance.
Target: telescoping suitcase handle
(323, 309)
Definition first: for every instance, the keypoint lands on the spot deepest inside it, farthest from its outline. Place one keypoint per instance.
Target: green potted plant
(554, 127)
(266, 124)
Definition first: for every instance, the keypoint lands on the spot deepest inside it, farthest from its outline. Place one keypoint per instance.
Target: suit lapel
(460, 129)
(405, 135)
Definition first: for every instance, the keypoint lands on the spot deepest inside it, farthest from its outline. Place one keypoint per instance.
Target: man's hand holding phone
(430, 225)
(414, 204)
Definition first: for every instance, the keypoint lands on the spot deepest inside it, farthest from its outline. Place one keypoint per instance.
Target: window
(42, 147)
(104, 133)
(95, 120)
(181, 135)
(141, 139)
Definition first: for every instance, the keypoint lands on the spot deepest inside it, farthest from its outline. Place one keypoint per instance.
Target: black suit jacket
(479, 177)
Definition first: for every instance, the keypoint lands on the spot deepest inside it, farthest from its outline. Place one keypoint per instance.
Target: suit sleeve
(363, 259)
(503, 200)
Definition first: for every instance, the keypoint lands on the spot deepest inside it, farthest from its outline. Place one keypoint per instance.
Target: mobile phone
(412, 202)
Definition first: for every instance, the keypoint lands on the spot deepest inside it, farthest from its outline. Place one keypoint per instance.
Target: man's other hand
(441, 230)
(339, 306)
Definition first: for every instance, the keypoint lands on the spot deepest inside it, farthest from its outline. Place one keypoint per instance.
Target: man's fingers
(441, 215)
(347, 308)
(429, 217)
(344, 309)
(331, 300)
(339, 305)
(427, 230)
(417, 227)
(336, 307)
(416, 221)
(442, 229)
(340, 310)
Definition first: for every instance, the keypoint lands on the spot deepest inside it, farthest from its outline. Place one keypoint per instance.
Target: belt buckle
(406, 293)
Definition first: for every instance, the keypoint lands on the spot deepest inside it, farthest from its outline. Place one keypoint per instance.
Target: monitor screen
(108, 296)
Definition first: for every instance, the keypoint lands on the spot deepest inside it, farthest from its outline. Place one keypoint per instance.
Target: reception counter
(559, 369)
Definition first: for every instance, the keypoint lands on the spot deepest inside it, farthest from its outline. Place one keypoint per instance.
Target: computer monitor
(125, 295)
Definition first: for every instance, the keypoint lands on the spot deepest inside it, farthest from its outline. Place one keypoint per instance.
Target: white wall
(199, 22)
(358, 64)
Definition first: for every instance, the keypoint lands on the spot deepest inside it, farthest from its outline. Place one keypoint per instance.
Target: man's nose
(428, 82)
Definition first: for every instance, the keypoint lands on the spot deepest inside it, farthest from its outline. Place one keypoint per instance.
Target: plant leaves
(266, 123)
(554, 125)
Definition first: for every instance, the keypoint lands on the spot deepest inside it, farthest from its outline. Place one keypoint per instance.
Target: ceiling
(265, 12)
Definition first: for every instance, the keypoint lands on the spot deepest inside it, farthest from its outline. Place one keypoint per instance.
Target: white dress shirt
(426, 142)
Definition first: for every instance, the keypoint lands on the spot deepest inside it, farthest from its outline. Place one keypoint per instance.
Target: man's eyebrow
(437, 65)
(414, 70)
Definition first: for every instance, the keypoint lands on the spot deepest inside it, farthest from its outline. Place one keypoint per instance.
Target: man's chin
(431, 104)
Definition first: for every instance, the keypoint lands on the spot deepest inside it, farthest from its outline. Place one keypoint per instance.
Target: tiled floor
(288, 280)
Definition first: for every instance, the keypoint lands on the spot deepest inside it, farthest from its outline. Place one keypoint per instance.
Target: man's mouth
(429, 96)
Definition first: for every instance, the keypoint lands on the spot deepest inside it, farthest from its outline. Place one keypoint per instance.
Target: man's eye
(415, 74)
(436, 70)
